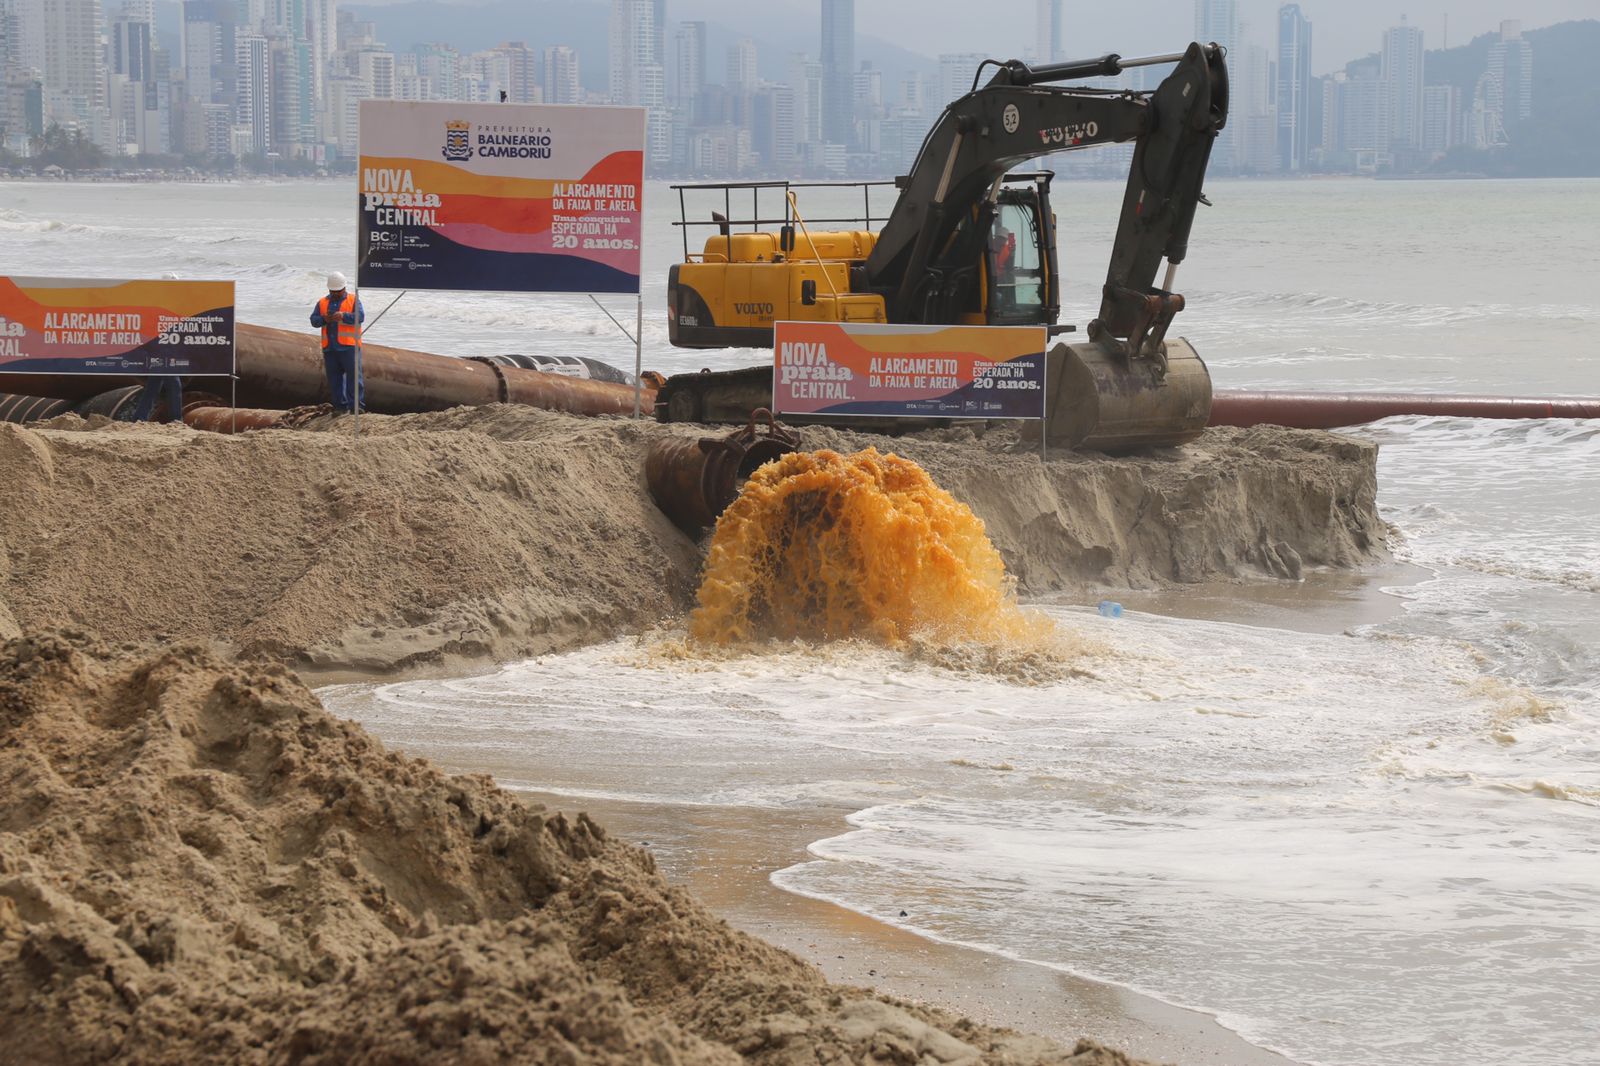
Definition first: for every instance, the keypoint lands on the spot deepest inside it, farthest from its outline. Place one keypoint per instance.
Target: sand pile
(407, 548)
(506, 531)
(198, 864)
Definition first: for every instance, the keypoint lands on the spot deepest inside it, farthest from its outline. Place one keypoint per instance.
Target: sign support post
(638, 358)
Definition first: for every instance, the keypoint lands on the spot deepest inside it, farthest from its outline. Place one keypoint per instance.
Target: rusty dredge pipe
(282, 368)
(232, 420)
(694, 480)
(1330, 410)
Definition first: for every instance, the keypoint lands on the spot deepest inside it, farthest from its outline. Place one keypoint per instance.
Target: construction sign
(501, 197)
(877, 370)
(97, 326)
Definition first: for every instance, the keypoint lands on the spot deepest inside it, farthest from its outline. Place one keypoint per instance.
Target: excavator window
(1015, 267)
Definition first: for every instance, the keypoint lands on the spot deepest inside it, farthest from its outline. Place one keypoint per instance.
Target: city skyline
(284, 78)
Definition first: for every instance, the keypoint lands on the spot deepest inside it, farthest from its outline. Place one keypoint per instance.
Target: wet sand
(725, 856)
(1324, 602)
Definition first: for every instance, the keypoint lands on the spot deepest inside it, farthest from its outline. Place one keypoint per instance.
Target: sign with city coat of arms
(500, 197)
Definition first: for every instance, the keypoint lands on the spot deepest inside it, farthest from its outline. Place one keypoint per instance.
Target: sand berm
(506, 531)
(200, 864)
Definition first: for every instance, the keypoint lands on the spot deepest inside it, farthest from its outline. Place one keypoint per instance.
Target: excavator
(969, 242)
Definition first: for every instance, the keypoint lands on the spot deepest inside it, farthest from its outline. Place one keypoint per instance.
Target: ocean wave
(22, 224)
(1412, 314)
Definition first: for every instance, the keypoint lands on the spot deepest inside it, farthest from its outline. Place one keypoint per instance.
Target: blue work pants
(166, 391)
(340, 364)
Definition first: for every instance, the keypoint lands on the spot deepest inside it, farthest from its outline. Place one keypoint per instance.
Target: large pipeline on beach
(693, 480)
(1330, 410)
(282, 368)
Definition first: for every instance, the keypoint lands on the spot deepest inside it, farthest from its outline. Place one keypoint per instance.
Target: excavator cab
(1021, 276)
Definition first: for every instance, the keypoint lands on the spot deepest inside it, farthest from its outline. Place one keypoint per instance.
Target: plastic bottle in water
(1110, 609)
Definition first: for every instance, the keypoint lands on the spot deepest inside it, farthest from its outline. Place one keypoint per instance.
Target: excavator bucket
(1100, 402)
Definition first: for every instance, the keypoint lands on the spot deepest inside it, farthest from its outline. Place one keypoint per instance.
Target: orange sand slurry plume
(823, 546)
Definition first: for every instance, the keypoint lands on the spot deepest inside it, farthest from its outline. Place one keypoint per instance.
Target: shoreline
(726, 857)
(455, 541)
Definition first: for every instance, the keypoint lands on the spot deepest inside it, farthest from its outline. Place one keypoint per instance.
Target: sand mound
(198, 864)
(407, 548)
(506, 531)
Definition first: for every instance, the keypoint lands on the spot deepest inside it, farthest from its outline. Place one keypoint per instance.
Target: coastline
(458, 540)
(726, 857)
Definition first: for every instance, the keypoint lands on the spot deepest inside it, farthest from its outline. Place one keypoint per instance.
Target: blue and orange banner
(501, 197)
(873, 369)
(98, 326)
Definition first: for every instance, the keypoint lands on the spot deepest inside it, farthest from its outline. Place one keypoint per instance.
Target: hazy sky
(1341, 29)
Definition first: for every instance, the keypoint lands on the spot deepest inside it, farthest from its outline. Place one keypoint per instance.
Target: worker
(339, 316)
(166, 391)
(1005, 248)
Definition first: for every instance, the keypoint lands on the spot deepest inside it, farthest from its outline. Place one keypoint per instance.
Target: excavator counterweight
(969, 242)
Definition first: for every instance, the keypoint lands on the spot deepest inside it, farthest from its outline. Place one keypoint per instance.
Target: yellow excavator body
(744, 282)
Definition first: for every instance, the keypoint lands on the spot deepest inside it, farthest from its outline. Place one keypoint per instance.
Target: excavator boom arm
(1020, 116)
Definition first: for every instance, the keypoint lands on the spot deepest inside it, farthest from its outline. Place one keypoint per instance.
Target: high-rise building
(61, 40)
(210, 29)
(439, 70)
(772, 133)
(1293, 88)
(10, 26)
(838, 71)
(561, 84)
(1332, 121)
(1218, 21)
(1251, 111)
(130, 48)
(1511, 65)
(632, 38)
(1441, 118)
(322, 26)
(253, 93)
(689, 67)
(805, 77)
(343, 107)
(1402, 79)
(913, 96)
(206, 128)
(1047, 30)
(1364, 115)
(742, 75)
(294, 128)
(377, 70)
(637, 76)
(956, 71)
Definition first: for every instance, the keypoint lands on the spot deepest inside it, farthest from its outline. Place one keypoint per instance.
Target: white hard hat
(335, 281)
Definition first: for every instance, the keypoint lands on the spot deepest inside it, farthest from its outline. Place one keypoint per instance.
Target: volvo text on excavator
(968, 242)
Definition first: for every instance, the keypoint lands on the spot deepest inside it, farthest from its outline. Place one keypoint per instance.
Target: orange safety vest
(348, 335)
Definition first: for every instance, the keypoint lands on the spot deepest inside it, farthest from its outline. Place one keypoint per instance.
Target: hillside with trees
(1561, 137)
